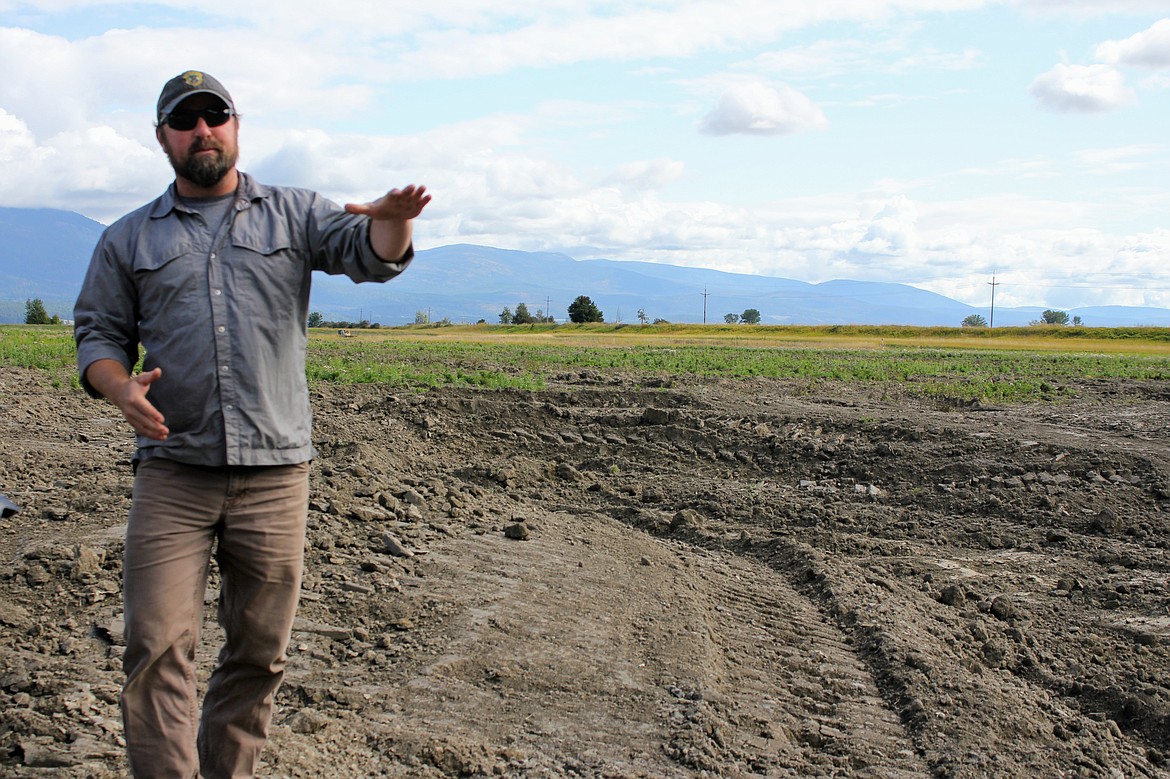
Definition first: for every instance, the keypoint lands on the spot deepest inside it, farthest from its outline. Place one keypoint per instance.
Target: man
(212, 279)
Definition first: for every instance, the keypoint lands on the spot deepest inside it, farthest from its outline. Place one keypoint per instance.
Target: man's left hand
(396, 205)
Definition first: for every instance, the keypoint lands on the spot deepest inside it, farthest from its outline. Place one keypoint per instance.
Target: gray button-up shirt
(223, 311)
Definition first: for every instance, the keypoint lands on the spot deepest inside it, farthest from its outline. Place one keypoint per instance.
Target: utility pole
(705, 295)
(548, 309)
(993, 283)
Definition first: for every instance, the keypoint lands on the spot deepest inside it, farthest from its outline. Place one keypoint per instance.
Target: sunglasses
(186, 120)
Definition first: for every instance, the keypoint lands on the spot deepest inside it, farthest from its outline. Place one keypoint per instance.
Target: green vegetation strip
(411, 358)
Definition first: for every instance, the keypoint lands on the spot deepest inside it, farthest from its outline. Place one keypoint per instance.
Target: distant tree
(731, 319)
(583, 310)
(974, 320)
(1077, 322)
(642, 316)
(35, 314)
(750, 316)
(421, 317)
(660, 322)
(522, 317)
(1050, 317)
(506, 316)
(315, 319)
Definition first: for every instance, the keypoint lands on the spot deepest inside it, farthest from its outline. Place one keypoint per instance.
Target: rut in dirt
(951, 557)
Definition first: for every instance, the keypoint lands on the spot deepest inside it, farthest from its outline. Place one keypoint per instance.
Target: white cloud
(93, 170)
(1090, 8)
(320, 89)
(1118, 159)
(1156, 81)
(1148, 49)
(647, 174)
(1138, 253)
(893, 230)
(827, 58)
(756, 108)
(1081, 89)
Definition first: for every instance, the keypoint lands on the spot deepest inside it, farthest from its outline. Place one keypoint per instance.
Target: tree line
(1049, 317)
(750, 316)
(582, 310)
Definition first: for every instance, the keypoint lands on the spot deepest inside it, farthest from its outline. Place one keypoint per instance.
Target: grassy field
(1133, 340)
(1002, 365)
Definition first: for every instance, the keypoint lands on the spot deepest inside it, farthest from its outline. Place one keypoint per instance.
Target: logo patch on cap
(193, 79)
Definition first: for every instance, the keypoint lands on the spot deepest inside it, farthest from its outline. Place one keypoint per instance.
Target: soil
(617, 577)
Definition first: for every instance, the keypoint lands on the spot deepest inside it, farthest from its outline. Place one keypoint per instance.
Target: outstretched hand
(390, 219)
(396, 205)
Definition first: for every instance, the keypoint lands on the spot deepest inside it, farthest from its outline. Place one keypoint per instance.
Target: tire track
(788, 693)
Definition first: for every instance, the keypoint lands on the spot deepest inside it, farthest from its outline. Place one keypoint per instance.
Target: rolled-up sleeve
(105, 314)
(341, 244)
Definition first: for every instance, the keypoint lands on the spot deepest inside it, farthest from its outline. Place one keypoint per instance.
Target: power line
(993, 284)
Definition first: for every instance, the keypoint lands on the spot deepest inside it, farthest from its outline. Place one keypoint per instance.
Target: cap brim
(171, 106)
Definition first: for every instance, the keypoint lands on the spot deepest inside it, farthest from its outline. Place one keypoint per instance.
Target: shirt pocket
(169, 274)
(263, 237)
(267, 270)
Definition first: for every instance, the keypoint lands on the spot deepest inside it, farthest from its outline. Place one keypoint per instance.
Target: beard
(203, 170)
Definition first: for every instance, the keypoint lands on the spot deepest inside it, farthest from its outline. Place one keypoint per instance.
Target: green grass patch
(1009, 370)
(47, 348)
(419, 365)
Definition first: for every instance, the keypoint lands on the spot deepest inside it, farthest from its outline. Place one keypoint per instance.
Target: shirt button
(216, 292)
(213, 255)
(223, 369)
(228, 407)
(221, 328)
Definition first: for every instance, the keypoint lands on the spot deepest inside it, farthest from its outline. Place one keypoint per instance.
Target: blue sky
(936, 143)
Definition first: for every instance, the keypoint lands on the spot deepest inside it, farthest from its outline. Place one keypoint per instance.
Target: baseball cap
(193, 82)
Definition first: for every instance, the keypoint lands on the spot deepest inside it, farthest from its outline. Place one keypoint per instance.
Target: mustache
(203, 144)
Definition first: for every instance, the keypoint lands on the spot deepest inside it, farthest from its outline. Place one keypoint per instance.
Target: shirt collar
(248, 190)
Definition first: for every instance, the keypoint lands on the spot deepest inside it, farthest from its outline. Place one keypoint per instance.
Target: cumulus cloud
(1087, 89)
(647, 174)
(322, 93)
(1138, 253)
(892, 231)
(756, 108)
(93, 170)
(1147, 49)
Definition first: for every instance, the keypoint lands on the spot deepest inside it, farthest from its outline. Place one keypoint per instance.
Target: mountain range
(44, 254)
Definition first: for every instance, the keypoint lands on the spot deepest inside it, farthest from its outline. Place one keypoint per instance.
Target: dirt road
(610, 579)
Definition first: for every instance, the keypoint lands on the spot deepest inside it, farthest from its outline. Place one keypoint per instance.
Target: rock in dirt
(516, 532)
(395, 547)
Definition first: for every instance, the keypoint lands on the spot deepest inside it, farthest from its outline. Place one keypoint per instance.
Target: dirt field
(750, 579)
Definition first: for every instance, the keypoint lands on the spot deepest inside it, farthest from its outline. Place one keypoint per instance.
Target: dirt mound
(606, 579)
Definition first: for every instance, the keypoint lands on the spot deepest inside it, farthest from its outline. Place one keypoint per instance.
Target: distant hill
(44, 253)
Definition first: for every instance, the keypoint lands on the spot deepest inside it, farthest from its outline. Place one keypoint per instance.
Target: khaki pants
(256, 517)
